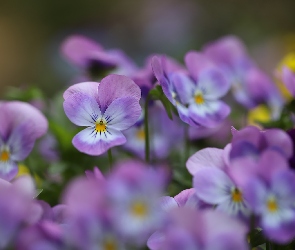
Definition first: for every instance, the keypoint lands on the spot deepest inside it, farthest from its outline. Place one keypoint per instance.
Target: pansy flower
(105, 108)
(21, 125)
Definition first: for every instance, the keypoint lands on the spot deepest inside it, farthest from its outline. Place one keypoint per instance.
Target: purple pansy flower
(21, 125)
(273, 201)
(288, 77)
(105, 108)
(92, 58)
(250, 85)
(195, 93)
(190, 229)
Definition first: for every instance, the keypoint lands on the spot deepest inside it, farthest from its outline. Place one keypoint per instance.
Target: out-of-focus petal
(208, 157)
(289, 80)
(87, 88)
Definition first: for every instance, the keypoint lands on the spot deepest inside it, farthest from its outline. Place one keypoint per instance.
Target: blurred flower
(94, 60)
(21, 125)
(250, 85)
(106, 108)
(207, 229)
(164, 134)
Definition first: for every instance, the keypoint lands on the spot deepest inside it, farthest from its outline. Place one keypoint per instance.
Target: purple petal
(94, 144)
(8, 170)
(213, 83)
(243, 149)
(87, 88)
(167, 203)
(251, 134)
(21, 112)
(116, 86)
(155, 242)
(212, 185)
(280, 140)
(209, 114)
(25, 185)
(184, 86)
(82, 109)
(95, 175)
(196, 62)
(78, 49)
(208, 157)
(289, 80)
(184, 196)
(123, 113)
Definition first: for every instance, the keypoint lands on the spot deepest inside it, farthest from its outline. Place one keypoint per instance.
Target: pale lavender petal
(122, 113)
(279, 140)
(21, 141)
(184, 115)
(184, 196)
(155, 242)
(208, 157)
(91, 143)
(96, 175)
(184, 86)
(82, 109)
(167, 203)
(78, 49)
(25, 185)
(270, 163)
(210, 114)
(8, 170)
(116, 86)
(289, 80)
(87, 88)
(213, 83)
(212, 185)
(196, 62)
(22, 112)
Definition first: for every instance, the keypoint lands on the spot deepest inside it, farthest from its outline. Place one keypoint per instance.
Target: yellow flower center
(140, 134)
(272, 205)
(289, 61)
(100, 126)
(236, 195)
(139, 209)
(109, 245)
(4, 156)
(199, 99)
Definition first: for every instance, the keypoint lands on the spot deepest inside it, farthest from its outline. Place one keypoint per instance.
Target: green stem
(146, 130)
(267, 245)
(110, 159)
(186, 143)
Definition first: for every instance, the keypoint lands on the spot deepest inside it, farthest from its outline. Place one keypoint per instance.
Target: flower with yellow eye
(105, 109)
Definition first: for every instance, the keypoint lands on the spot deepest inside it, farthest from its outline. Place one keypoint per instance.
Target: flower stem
(110, 159)
(146, 130)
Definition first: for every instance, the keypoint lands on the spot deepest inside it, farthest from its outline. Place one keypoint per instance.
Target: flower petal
(212, 185)
(82, 109)
(208, 157)
(167, 203)
(213, 83)
(87, 88)
(78, 49)
(8, 170)
(184, 86)
(90, 143)
(116, 86)
(123, 113)
(209, 114)
(21, 141)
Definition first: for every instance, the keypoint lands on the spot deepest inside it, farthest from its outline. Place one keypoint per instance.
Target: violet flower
(250, 85)
(134, 200)
(195, 94)
(105, 108)
(190, 229)
(288, 77)
(94, 60)
(21, 125)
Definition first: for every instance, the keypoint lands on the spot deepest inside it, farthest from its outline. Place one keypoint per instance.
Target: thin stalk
(186, 143)
(146, 130)
(110, 159)
(267, 245)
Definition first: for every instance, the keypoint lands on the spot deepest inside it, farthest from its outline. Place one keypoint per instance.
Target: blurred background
(31, 32)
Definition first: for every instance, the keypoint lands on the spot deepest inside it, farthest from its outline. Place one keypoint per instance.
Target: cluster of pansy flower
(241, 196)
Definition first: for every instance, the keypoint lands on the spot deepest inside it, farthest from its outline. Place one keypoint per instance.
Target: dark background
(31, 32)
